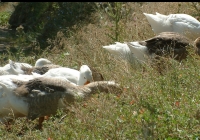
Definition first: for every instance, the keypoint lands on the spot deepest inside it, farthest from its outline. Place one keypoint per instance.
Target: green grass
(152, 106)
(4, 17)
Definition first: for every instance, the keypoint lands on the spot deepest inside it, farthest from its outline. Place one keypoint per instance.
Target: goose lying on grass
(181, 23)
(13, 68)
(44, 69)
(165, 43)
(39, 69)
(42, 96)
(43, 66)
(81, 77)
(6, 94)
(42, 61)
(120, 50)
(75, 77)
(16, 68)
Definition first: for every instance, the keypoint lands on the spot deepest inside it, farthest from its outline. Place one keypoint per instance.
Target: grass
(5, 12)
(152, 106)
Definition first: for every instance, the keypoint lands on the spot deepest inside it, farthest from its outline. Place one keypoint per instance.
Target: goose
(23, 68)
(13, 68)
(42, 61)
(120, 50)
(7, 85)
(42, 69)
(164, 44)
(42, 65)
(6, 99)
(81, 77)
(160, 45)
(181, 23)
(97, 76)
(39, 69)
(42, 96)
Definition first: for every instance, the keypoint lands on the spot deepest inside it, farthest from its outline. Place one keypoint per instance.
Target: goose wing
(167, 42)
(43, 95)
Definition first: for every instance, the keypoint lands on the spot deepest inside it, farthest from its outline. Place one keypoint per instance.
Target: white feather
(181, 23)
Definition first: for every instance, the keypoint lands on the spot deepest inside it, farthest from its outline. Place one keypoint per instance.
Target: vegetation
(152, 106)
(4, 17)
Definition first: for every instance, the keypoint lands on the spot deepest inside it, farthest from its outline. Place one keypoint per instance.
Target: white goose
(6, 95)
(41, 62)
(42, 96)
(162, 44)
(81, 77)
(181, 23)
(16, 68)
(120, 50)
(42, 66)
(13, 68)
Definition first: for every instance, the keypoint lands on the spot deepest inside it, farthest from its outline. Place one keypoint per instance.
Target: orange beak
(87, 82)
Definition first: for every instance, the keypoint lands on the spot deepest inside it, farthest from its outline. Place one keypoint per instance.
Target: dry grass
(152, 106)
(7, 7)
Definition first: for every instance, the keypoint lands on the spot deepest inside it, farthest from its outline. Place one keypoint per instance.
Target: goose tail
(156, 21)
(15, 68)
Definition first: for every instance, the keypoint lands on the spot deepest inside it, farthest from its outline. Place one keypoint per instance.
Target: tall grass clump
(196, 8)
(117, 13)
(4, 17)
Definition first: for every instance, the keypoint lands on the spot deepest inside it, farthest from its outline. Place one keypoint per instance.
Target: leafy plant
(118, 13)
(4, 17)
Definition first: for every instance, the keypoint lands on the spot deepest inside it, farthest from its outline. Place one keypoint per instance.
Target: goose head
(197, 45)
(85, 75)
(41, 62)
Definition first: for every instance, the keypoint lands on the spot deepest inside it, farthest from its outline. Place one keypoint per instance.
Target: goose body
(122, 51)
(39, 69)
(165, 44)
(42, 61)
(44, 69)
(42, 96)
(181, 23)
(13, 68)
(81, 77)
(8, 100)
(42, 65)
(162, 44)
(119, 49)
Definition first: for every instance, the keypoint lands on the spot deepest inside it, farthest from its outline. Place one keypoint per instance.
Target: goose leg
(40, 121)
